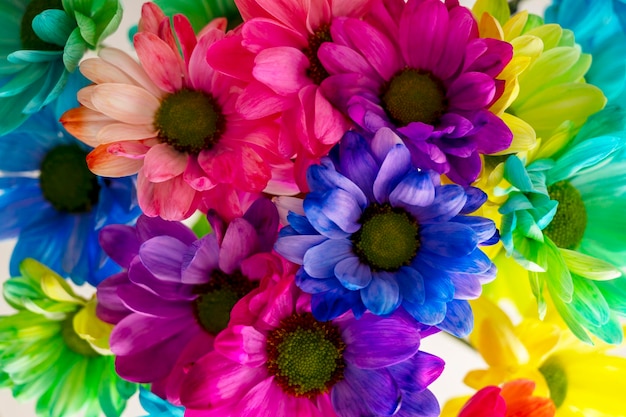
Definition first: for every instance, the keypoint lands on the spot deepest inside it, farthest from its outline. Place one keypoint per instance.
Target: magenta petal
(163, 256)
(229, 57)
(169, 290)
(149, 304)
(488, 56)
(493, 136)
(365, 392)
(423, 32)
(471, 91)
(110, 308)
(263, 216)
(379, 51)
(339, 59)
(120, 243)
(136, 332)
(242, 344)
(374, 342)
(240, 241)
(200, 260)
(260, 34)
(462, 27)
(283, 69)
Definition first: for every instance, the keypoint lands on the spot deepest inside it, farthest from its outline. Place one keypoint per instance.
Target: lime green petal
(67, 398)
(18, 289)
(558, 277)
(87, 28)
(201, 227)
(537, 284)
(497, 8)
(530, 253)
(108, 19)
(588, 266)
(556, 142)
(550, 34)
(74, 50)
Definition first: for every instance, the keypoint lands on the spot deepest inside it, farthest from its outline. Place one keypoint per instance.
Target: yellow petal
(57, 289)
(514, 26)
(453, 406)
(93, 330)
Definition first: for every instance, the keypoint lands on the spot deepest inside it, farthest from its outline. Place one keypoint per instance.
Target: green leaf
(201, 227)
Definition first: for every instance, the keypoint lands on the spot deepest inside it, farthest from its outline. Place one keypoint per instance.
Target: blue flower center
(30, 40)
(73, 341)
(305, 355)
(66, 181)
(388, 238)
(556, 378)
(190, 121)
(414, 96)
(316, 70)
(567, 228)
(217, 298)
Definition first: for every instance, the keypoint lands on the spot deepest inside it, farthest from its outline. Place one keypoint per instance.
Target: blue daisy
(41, 44)
(50, 200)
(376, 233)
(155, 406)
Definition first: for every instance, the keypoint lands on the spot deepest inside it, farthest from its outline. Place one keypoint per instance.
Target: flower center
(190, 121)
(73, 341)
(316, 70)
(570, 221)
(29, 38)
(305, 355)
(388, 238)
(414, 96)
(66, 181)
(217, 298)
(556, 378)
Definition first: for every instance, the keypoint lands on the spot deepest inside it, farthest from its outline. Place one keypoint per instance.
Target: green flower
(44, 358)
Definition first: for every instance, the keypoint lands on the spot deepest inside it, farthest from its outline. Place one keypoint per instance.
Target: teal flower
(48, 351)
(42, 42)
(564, 222)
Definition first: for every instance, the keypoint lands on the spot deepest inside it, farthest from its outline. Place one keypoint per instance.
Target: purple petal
(263, 216)
(137, 332)
(169, 290)
(493, 136)
(357, 163)
(366, 112)
(418, 372)
(395, 166)
(120, 242)
(415, 189)
(293, 248)
(324, 177)
(373, 342)
(365, 392)
(149, 227)
(110, 308)
(464, 171)
(379, 51)
(342, 87)
(147, 303)
(475, 198)
(419, 403)
(338, 59)
(454, 126)
(471, 91)
(382, 296)
(342, 209)
(200, 260)
(163, 256)
(352, 274)
(240, 241)
(384, 141)
(320, 260)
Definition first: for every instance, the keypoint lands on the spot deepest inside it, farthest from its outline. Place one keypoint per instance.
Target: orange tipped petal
(110, 161)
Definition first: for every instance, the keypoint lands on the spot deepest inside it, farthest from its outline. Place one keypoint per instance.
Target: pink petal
(250, 9)
(260, 34)
(99, 71)
(253, 173)
(258, 101)
(127, 64)
(171, 200)
(151, 18)
(283, 69)
(289, 12)
(339, 59)
(126, 103)
(85, 96)
(112, 132)
(201, 75)
(463, 28)
(319, 13)
(163, 162)
(160, 62)
(107, 164)
(282, 181)
(229, 57)
(351, 8)
(423, 33)
(195, 176)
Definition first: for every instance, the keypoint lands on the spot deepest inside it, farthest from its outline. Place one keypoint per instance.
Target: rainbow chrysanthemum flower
(173, 120)
(275, 354)
(581, 380)
(180, 290)
(42, 42)
(275, 51)
(434, 93)
(155, 406)
(562, 221)
(44, 355)
(376, 233)
(514, 399)
(51, 201)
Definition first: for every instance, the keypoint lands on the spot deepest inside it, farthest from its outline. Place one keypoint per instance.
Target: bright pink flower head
(276, 359)
(173, 121)
(420, 69)
(276, 52)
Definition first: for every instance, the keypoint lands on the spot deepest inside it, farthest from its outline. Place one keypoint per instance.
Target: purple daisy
(275, 355)
(178, 290)
(425, 74)
(376, 233)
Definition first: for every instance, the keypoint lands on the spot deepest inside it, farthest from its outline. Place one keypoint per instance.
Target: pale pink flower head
(172, 120)
(276, 52)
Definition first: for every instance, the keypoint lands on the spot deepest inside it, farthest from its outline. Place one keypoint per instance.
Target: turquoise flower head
(563, 221)
(42, 42)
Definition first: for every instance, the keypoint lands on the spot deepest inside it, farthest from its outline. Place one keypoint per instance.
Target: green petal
(614, 293)
(74, 50)
(53, 26)
(497, 8)
(589, 302)
(107, 19)
(87, 28)
(569, 318)
(22, 81)
(611, 332)
(588, 266)
(529, 253)
(558, 277)
(67, 397)
(516, 174)
(33, 57)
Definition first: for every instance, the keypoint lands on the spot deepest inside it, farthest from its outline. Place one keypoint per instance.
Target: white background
(459, 359)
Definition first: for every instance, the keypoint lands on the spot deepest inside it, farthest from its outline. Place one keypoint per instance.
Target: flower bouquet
(269, 204)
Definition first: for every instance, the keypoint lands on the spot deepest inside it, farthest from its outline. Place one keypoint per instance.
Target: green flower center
(305, 355)
(66, 181)
(388, 238)
(556, 378)
(414, 96)
(73, 341)
(30, 40)
(570, 221)
(217, 298)
(316, 70)
(190, 121)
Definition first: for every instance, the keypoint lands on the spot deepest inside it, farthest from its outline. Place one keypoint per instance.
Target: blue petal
(22, 208)
(475, 262)
(466, 286)
(312, 285)
(430, 313)
(449, 239)
(415, 189)
(449, 201)
(320, 260)
(475, 198)
(459, 319)
(342, 209)
(382, 296)
(411, 284)
(365, 392)
(357, 163)
(300, 224)
(483, 227)
(418, 403)
(331, 304)
(293, 248)
(314, 208)
(393, 169)
(352, 274)
(324, 177)
(418, 372)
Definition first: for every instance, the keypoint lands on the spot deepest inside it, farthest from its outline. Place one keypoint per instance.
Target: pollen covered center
(567, 228)
(388, 238)
(414, 96)
(189, 121)
(316, 70)
(305, 355)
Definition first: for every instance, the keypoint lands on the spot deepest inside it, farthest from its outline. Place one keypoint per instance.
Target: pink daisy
(276, 359)
(420, 69)
(276, 52)
(181, 132)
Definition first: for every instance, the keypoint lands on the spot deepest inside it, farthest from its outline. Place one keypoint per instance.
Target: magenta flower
(276, 356)
(178, 291)
(424, 73)
(275, 52)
